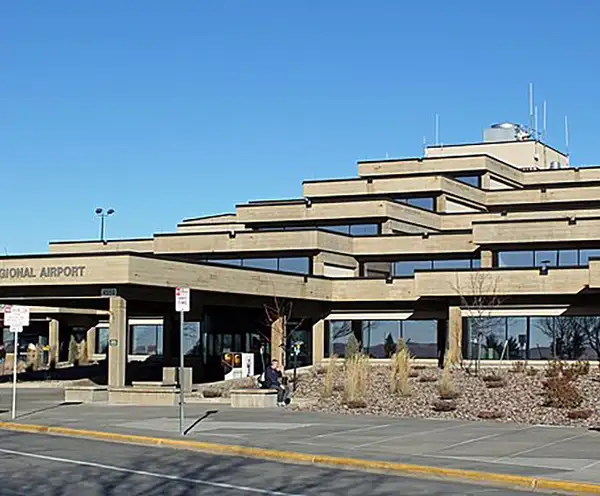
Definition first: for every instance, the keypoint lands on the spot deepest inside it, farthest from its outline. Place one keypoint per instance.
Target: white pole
(181, 373)
(15, 364)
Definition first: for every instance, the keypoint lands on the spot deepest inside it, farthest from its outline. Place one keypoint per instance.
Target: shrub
(427, 378)
(444, 406)
(331, 373)
(561, 392)
(413, 374)
(519, 367)
(356, 378)
(212, 393)
(531, 372)
(496, 384)
(553, 368)
(446, 388)
(580, 414)
(356, 404)
(400, 372)
(581, 367)
(490, 414)
(83, 352)
(492, 378)
(73, 352)
(319, 369)
(352, 347)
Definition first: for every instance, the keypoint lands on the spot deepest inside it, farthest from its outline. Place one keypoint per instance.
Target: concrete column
(318, 341)
(456, 332)
(485, 181)
(117, 342)
(318, 265)
(277, 340)
(53, 341)
(440, 203)
(487, 259)
(90, 341)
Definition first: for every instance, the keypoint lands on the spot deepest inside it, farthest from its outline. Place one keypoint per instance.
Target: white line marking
(220, 485)
(590, 465)
(350, 431)
(481, 438)
(419, 433)
(519, 453)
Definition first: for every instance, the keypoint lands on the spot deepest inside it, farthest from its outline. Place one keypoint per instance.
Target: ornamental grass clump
(446, 387)
(331, 374)
(356, 378)
(400, 372)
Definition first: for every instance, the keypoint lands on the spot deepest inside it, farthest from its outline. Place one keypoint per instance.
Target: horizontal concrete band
(506, 480)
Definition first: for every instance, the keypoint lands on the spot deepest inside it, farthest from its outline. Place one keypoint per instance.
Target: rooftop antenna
(424, 144)
(567, 134)
(535, 126)
(544, 122)
(530, 106)
(437, 129)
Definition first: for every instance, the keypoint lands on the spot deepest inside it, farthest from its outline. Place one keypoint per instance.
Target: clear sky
(170, 109)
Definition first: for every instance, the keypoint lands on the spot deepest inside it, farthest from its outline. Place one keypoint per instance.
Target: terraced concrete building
(492, 243)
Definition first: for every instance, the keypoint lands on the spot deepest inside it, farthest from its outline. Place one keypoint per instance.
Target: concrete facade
(407, 241)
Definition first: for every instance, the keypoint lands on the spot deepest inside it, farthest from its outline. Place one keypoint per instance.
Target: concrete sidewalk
(568, 454)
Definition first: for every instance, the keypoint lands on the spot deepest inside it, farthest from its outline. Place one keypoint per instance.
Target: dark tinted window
(471, 180)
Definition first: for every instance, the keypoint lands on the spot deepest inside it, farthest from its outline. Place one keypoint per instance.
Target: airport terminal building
(504, 231)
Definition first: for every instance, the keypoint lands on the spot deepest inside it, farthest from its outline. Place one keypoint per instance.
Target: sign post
(182, 305)
(16, 317)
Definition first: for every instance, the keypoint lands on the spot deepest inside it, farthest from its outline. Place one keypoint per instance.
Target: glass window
(473, 180)
(231, 261)
(377, 269)
(546, 257)
(408, 267)
(364, 229)
(191, 339)
(146, 339)
(421, 337)
(515, 259)
(336, 229)
(452, 264)
(425, 203)
(339, 331)
(101, 340)
(565, 337)
(567, 258)
(486, 337)
(585, 255)
(297, 265)
(476, 263)
(380, 337)
(8, 339)
(541, 338)
(516, 348)
(260, 263)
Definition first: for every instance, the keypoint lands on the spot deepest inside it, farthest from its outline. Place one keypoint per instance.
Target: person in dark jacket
(273, 376)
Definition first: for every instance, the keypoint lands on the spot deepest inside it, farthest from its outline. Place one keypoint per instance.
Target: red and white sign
(16, 317)
(182, 299)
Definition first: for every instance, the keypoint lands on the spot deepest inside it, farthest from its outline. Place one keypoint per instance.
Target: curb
(506, 480)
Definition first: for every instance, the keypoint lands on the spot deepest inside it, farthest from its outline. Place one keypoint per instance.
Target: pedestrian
(273, 376)
(2, 358)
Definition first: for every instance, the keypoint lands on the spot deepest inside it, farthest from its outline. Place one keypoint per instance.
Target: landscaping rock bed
(516, 396)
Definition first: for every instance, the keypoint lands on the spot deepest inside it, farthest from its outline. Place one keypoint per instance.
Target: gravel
(519, 401)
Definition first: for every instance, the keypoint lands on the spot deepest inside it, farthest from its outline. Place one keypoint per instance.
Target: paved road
(44, 465)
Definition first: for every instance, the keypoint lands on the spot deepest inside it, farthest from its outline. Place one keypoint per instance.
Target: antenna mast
(544, 122)
(567, 134)
(437, 129)
(535, 126)
(530, 106)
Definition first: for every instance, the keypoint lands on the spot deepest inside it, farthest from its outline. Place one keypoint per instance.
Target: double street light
(102, 214)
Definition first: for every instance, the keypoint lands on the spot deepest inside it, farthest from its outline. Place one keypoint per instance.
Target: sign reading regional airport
(50, 272)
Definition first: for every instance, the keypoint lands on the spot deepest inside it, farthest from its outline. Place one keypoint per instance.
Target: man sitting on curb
(273, 377)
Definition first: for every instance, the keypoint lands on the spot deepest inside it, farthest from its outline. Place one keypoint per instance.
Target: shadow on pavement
(197, 421)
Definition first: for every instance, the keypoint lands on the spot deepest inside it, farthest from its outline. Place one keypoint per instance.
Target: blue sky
(166, 110)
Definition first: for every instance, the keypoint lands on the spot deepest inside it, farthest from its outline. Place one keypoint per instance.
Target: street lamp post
(102, 214)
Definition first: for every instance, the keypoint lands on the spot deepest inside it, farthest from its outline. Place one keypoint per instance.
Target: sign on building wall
(67, 271)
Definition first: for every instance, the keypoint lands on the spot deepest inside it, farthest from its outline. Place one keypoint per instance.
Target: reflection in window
(421, 337)
(516, 334)
(452, 264)
(472, 180)
(146, 339)
(547, 258)
(339, 332)
(364, 229)
(568, 258)
(408, 267)
(585, 255)
(192, 344)
(297, 265)
(260, 263)
(426, 203)
(405, 268)
(515, 259)
(101, 340)
(381, 337)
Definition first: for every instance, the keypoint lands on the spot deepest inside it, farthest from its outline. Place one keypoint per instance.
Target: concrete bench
(86, 394)
(147, 384)
(253, 398)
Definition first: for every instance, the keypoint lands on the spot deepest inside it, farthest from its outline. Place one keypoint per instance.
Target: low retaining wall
(86, 394)
(148, 396)
(253, 398)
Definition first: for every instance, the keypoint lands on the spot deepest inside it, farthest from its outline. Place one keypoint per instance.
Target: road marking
(481, 438)
(519, 453)
(350, 431)
(220, 485)
(419, 433)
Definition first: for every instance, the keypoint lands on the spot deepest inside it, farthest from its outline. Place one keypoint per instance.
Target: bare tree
(591, 329)
(282, 338)
(478, 292)
(568, 335)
